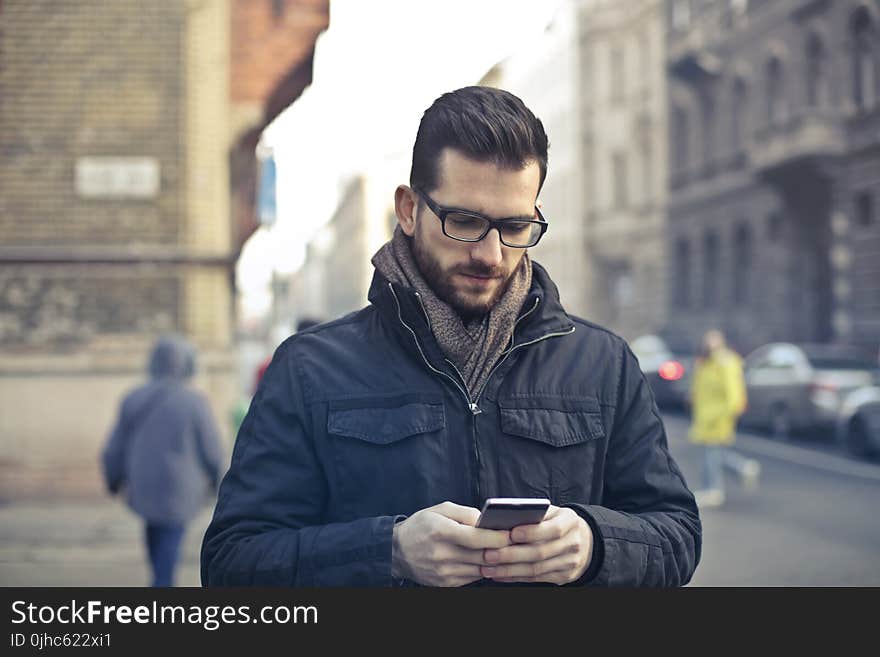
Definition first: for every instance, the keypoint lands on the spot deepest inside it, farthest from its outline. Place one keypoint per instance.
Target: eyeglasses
(469, 226)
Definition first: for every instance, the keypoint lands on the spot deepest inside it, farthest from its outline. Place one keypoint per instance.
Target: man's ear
(405, 206)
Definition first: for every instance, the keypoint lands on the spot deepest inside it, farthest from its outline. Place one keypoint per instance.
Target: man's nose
(488, 250)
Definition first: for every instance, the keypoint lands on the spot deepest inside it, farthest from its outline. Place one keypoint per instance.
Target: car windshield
(836, 358)
(830, 363)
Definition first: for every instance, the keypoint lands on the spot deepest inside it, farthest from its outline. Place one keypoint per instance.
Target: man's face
(471, 276)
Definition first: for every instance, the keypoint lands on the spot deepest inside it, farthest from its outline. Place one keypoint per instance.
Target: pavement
(79, 543)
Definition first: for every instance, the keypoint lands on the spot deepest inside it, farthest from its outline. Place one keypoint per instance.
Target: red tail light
(671, 370)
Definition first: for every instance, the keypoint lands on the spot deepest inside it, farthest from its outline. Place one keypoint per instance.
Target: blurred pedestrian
(165, 452)
(718, 398)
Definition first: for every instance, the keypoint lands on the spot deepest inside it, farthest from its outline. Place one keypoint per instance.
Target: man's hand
(440, 546)
(557, 550)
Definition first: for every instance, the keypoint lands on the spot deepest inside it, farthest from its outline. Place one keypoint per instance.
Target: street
(813, 522)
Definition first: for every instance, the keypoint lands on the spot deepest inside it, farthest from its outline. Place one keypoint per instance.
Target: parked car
(858, 422)
(667, 372)
(801, 387)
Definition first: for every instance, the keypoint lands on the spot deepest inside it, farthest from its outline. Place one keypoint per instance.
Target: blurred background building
(336, 275)
(775, 170)
(127, 189)
(598, 84)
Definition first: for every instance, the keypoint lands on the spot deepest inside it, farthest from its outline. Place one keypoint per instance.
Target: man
(374, 439)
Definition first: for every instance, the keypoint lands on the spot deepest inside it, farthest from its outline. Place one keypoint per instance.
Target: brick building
(121, 130)
(775, 169)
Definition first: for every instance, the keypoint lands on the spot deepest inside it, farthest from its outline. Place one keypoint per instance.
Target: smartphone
(509, 512)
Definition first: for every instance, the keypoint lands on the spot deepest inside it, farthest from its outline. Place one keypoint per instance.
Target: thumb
(465, 515)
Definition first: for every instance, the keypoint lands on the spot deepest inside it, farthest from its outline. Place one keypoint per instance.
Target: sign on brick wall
(117, 177)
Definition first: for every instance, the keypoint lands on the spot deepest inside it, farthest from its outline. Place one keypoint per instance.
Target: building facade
(597, 81)
(623, 109)
(774, 115)
(116, 127)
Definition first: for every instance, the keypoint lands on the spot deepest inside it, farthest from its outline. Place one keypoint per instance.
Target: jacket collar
(542, 312)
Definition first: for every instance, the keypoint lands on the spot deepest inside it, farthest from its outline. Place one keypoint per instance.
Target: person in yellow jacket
(718, 398)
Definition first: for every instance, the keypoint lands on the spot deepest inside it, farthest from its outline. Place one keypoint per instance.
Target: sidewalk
(84, 544)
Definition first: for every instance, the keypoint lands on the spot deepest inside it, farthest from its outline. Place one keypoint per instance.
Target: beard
(468, 306)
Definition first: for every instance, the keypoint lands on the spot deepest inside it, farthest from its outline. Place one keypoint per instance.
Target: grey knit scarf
(474, 347)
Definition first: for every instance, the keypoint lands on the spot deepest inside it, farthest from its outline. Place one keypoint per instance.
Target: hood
(173, 357)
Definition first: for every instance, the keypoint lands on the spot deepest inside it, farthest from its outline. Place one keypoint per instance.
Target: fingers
(531, 552)
(462, 531)
(478, 539)
(450, 553)
(466, 515)
(559, 578)
(556, 524)
(536, 571)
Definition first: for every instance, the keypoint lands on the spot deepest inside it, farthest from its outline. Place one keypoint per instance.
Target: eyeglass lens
(513, 233)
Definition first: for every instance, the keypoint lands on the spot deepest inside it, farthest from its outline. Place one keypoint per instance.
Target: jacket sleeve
(208, 442)
(268, 528)
(113, 455)
(647, 530)
(735, 384)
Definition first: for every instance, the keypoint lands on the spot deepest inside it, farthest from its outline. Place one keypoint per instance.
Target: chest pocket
(386, 425)
(387, 451)
(556, 445)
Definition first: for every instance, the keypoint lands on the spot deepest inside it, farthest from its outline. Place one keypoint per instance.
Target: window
(682, 145)
(708, 120)
(774, 226)
(617, 80)
(817, 74)
(620, 287)
(864, 209)
(739, 116)
(620, 180)
(710, 270)
(682, 277)
(645, 58)
(742, 264)
(864, 67)
(647, 172)
(775, 91)
(681, 14)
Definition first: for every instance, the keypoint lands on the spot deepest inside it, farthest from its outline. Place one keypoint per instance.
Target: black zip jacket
(362, 421)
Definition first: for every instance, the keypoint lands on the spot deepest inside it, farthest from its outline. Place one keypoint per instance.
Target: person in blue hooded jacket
(165, 452)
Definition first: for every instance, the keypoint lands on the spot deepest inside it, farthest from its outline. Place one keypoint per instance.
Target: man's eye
(516, 227)
(460, 221)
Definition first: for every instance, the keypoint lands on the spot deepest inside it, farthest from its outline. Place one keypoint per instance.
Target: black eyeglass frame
(442, 211)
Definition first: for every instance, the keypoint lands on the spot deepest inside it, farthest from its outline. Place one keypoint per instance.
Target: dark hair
(482, 123)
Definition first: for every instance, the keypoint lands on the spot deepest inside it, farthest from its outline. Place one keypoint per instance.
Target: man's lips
(484, 277)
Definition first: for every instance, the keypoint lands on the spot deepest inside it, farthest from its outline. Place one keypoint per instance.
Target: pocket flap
(384, 425)
(553, 426)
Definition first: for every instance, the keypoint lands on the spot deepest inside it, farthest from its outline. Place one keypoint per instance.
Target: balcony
(805, 144)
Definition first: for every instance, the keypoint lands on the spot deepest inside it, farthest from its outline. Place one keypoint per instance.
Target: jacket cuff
(598, 557)
(396, 581)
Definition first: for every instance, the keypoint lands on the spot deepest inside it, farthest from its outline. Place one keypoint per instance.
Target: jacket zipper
(472, 405)
(514, 348)
(422, 353)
